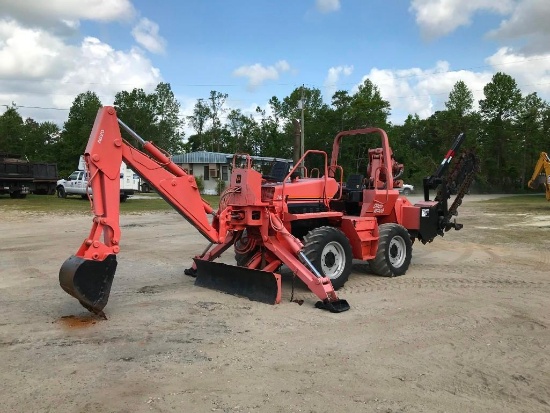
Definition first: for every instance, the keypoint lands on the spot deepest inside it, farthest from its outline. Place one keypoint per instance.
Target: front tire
(61, 192)
(406, 191)
(394, 253)
(242, 259)
(329, 250)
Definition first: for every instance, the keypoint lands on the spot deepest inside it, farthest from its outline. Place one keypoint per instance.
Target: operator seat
(353, 194)
(354, 182)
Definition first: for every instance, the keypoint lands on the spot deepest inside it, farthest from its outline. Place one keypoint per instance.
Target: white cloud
(29, 53)
(258, 74)
(532, 74)
(63, 16)
(524, 20)
(46, 13)
(529, 21)
(107, 71)
(327, 6)
(440, 17)
(146, 34)
(37, 69)
(40, 67)
(333, 76)
(423, 91)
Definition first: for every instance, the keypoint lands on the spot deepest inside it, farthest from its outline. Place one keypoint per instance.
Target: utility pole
(214, 113)
(302, 104)
(297, 141)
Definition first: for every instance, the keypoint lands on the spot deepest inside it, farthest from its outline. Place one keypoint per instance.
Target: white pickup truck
(406, 189)
(77, 184)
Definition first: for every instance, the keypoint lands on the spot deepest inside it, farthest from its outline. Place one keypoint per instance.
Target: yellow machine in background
(541, 174)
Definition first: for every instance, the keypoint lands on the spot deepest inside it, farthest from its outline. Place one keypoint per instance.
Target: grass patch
(519, 203)
(50, 204)
(522, 220)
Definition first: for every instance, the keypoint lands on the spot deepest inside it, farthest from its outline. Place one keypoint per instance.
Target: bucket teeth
(256, 285)
(89, 281)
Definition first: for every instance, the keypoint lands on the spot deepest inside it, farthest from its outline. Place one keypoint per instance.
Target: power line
(34, 107)
(239, 100)
(519, 61)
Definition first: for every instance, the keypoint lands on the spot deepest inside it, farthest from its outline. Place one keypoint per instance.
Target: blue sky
(413, 50)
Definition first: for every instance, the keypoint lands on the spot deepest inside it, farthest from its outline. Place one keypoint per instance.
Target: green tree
(216, 108)
(76, 131)
(242, 130)
(137, 109)
(499, 142)
(368, 108)
(170, 124)
(155, 116)
(40, 140)
(530, 132)
(461, 99)
(412, 149)
(11, 131)
(460, 115)
(269, 141)
(365, 108)
(341, 101)
(198, 122)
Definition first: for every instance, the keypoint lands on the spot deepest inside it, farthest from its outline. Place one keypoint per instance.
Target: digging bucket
(88, 281)
(256, 285)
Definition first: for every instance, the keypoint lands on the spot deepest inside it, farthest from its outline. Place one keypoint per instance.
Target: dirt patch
(465, 330)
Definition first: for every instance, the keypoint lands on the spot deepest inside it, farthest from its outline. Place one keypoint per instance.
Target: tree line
(508, 131)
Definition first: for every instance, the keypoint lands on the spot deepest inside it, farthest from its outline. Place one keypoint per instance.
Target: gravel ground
(465, 330)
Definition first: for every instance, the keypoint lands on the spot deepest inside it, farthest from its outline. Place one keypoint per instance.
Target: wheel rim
(397, 251)
(333, 260)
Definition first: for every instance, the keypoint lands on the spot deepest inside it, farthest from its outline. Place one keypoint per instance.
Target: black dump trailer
(19, 177)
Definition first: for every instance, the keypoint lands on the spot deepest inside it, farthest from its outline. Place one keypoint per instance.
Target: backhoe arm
(88, 274)
(541, 166)
(104, 153)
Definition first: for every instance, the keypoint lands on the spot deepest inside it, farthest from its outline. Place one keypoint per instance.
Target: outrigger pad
(338, 306)
(89, 281)
(256, 285)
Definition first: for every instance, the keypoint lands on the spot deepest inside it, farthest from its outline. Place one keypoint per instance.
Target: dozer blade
(256, 285)
(89, 281)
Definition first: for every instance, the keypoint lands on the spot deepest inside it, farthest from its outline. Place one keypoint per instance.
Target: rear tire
(394, 253)
(406, 191)
(329, 250)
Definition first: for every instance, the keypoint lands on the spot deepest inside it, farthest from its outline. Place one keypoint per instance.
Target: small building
(215, 166)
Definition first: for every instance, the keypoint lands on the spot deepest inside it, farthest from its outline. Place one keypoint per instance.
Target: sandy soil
(465, 330)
